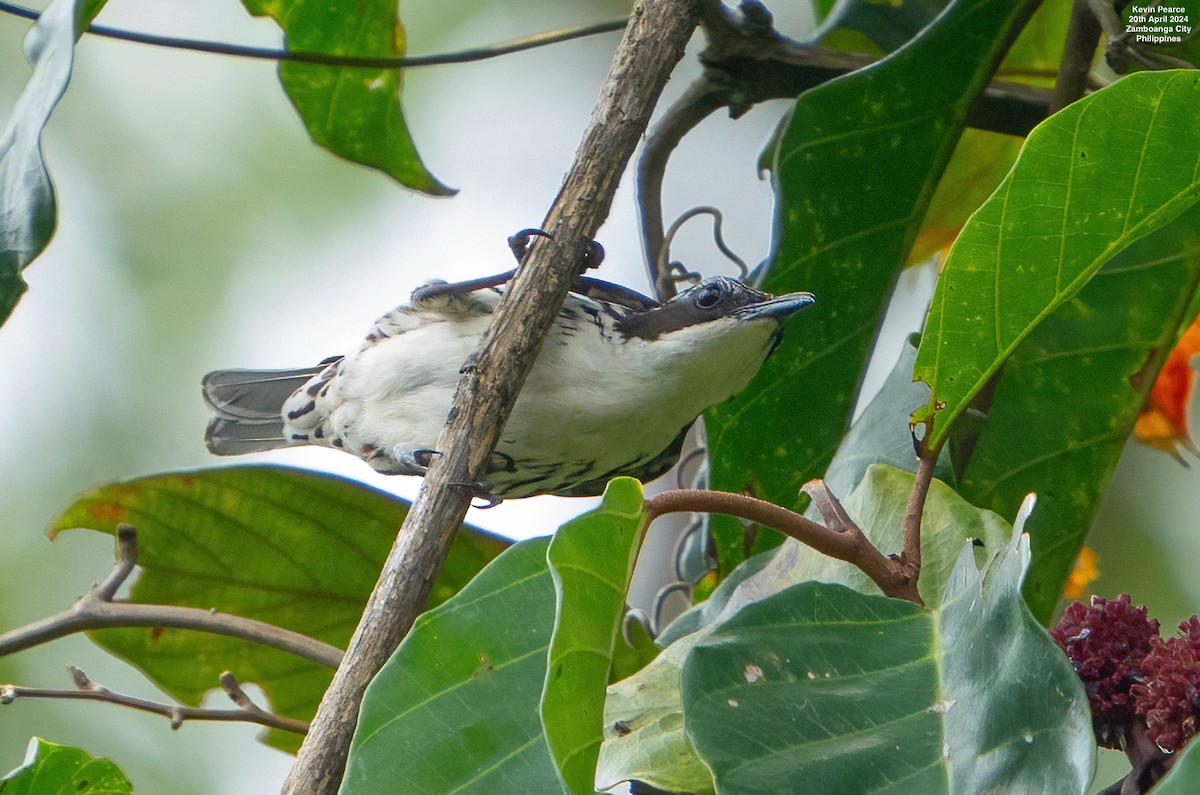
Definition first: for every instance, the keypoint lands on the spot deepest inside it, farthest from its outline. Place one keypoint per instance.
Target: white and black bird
(612, 392)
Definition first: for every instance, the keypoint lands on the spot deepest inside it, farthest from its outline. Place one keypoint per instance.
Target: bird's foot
(520, 244)
(419, 458)
(480, 490)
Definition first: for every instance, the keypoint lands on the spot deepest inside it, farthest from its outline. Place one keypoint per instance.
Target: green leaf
(27, 211)
(820, 683)
(1069, 396)
(1184, 776)
(982, 158)
(353, 112)
(854, 172)
(1090, 180)
(643, 729)
(644, 737)
(591, 559)
(455, 708)
(888, 26)
(53, 769)
(296, 549)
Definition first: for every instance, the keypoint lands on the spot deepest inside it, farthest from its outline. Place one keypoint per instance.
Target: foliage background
(199, 228)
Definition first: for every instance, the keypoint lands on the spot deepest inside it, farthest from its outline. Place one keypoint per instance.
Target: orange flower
(1163, 421)
(1082, 574)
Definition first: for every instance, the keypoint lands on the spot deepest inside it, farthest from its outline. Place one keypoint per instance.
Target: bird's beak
(779, 308)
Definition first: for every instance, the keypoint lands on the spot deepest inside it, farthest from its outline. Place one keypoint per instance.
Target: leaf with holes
(296, 549)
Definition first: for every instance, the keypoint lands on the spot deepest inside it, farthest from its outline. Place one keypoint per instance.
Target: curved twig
(323, 59)
(97, 610)
(87, 690)
(664, 265)
(699, 101)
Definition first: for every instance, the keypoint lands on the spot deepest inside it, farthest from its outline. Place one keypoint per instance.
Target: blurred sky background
(199, 228)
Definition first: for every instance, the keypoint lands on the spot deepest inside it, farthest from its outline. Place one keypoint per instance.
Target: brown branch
(90, 691)
(848, 544)
(653, 43)
(1083, 36)
(910, 558)
(96, 610)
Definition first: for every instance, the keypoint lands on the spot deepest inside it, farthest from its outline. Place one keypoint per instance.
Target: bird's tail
(248, 407)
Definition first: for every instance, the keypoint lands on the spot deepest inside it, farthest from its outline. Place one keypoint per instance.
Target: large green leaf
(353, 112)
(296, 549)
(591, 559)
(27, 211)
(53, 769)
(456, 707)
(1068, 397)
(644, 737)
(1090, 180)
(854, 171)
(820, 686)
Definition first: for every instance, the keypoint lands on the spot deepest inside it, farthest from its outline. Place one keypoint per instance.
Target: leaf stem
(846, 542)
(910, 558)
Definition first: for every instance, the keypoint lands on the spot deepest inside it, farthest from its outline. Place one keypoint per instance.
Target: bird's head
(715, 308)
(705, 344)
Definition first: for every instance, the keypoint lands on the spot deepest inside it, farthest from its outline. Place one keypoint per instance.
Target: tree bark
(653, 43)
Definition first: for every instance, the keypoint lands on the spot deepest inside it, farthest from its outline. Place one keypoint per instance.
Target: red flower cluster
(1106, 643)
(1169, 697)
(1128, 671)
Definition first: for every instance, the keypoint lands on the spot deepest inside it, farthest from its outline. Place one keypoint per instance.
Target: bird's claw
(420, 458)
(521, 241)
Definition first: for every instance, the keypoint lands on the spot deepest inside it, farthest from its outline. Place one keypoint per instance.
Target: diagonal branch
(653, 43)
(87, 690)
(97, 610)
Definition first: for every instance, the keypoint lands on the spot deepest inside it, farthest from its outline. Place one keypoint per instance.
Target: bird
(613, 391)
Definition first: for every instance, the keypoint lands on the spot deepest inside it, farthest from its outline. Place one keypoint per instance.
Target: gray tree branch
(653, 43)
(87, 690)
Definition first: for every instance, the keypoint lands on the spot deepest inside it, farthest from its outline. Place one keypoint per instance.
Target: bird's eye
(708, 297)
